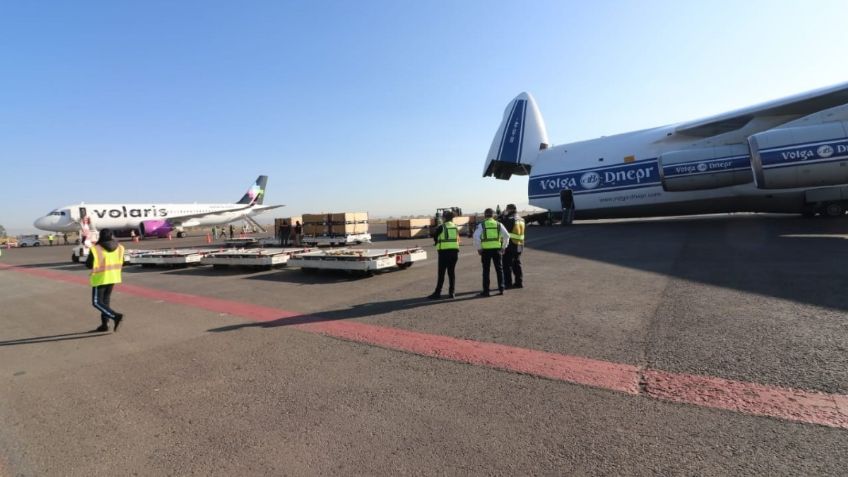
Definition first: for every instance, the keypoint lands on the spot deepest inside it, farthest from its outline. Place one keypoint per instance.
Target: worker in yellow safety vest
(512, 256)
(105, 261)
(446, 238)
(490, 240)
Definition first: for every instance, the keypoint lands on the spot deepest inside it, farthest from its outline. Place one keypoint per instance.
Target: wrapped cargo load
(409, 228)
(336, 228)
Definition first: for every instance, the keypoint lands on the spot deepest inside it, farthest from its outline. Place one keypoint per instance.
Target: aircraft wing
(799, 105)
(181, 219)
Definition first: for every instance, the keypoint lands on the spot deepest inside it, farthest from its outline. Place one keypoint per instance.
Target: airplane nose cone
(40, 223)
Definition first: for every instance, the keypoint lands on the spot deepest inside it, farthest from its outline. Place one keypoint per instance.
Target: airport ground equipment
(252, 257)
(366, 261)
(171, 257)
(242, 242)
(441, 210)
(80, 252)
(336, 240)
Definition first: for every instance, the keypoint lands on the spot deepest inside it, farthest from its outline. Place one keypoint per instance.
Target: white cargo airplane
(789, 155)
(157, 220)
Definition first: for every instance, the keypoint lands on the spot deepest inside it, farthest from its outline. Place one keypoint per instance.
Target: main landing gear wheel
(180, 234)
(834, 209)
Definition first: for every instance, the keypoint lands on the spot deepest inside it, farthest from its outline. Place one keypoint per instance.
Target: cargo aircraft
(785, 156)
(151, 219)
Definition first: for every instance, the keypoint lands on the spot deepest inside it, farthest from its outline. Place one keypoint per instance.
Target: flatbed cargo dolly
(366, 261)
(336, 240)
(252, 257)
(172, 257)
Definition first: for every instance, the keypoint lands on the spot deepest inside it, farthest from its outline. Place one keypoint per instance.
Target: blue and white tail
(256, 193)
(518, 140)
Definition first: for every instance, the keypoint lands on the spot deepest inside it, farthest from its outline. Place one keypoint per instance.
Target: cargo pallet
(366, 261)
(252, 257)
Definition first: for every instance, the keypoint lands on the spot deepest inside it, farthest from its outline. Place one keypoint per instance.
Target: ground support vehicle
(365, 261)
(29, 241)
(336, 240)
(171, 257)
(80, 253)
(252, 257)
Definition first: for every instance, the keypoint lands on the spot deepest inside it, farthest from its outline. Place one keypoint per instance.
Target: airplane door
(566, 200)
(82, 213)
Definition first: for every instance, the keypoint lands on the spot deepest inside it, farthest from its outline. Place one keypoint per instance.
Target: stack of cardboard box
(315, 224)
(348, 223)
(408, 228)
(335, 223)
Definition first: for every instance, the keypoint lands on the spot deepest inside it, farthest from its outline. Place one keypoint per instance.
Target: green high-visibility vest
(491, 237)
(448, 239)
(106, 268)
(517, 233)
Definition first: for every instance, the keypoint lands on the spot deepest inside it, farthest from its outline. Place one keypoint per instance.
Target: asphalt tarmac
(712, 345)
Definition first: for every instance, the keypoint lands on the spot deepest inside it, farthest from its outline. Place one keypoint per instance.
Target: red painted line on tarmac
(574, 369)
(246, 310)
(705, 391)
(748, 398)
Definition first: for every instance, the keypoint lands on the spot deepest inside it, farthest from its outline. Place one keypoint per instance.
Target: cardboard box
(349, 229)
(419, 232)
(314, 219)
(315, 229)
(414, 223)
(339, 218)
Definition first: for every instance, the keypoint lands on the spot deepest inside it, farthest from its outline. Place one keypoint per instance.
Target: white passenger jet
(159, 220)
(788, 155)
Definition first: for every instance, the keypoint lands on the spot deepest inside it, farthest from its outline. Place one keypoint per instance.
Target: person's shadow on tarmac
(52, 338)
(355, 311)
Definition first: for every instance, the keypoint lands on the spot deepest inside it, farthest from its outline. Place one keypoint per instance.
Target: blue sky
(381, 106)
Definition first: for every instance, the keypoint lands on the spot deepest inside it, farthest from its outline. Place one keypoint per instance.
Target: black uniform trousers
(447, 263)
(100, 298)
(488, 257)
(512, 265)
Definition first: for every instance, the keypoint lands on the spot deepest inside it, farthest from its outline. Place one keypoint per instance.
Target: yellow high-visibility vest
(106, 268)
(448, 239)
(491, 237)
(516, 236)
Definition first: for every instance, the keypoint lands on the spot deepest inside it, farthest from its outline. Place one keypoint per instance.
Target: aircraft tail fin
(520, 137)
(256, 193)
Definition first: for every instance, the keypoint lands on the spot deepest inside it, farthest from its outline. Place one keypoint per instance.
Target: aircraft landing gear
(834, 209)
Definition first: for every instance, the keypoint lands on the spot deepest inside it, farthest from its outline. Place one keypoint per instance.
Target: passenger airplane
(789, 155)
(157, 220)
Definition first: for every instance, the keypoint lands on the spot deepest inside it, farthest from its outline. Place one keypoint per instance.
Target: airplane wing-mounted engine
(705, 168)
(518, 141)
(809, 156)
(155, 228)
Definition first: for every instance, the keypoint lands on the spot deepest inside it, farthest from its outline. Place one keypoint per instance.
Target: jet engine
(155, 228)
(705, 168)
(809, 156)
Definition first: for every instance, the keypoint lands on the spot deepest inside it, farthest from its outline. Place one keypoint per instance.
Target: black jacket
(108, 245)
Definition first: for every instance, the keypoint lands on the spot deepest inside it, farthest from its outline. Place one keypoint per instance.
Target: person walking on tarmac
(105, 261)
(446, 238)
(490, 240)
(512, 256)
